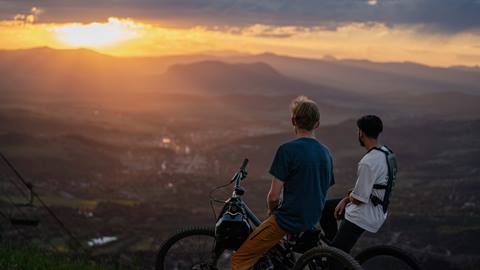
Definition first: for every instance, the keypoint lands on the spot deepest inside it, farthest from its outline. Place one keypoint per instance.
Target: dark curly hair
(371, 125)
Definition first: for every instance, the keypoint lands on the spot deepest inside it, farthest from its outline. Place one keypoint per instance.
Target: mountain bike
(199, 248)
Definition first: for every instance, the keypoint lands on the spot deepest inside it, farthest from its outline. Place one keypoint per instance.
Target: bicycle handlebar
(242, 173)
(244, 165)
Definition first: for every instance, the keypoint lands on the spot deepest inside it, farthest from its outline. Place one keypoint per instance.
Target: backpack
(392, 175)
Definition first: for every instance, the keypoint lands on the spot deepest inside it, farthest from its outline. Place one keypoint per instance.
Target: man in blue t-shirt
(303, 169)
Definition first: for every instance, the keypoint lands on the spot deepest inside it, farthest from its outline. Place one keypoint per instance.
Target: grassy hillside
(12, 258)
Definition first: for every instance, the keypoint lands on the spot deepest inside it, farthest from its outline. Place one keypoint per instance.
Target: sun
(97, 35)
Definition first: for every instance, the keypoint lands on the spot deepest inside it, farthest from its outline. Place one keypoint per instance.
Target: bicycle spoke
(192, 250)
(326, 258)
(189, 251)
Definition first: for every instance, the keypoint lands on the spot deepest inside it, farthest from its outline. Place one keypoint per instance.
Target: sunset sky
(433, 32)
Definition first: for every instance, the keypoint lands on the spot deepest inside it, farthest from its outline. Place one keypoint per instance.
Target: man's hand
(341, 207)
(273, 197)
(353, 200)
(271, 206)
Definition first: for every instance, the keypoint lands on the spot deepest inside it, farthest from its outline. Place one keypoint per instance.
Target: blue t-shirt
(305, 167)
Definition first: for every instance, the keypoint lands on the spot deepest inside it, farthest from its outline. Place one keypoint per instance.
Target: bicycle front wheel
(387, 257)
(326, 257)
(191, 249)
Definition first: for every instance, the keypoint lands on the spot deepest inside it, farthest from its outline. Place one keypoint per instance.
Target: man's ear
(293, 121)
(317, 124)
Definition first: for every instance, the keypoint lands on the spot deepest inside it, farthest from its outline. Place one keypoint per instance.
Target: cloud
(358, 40)
(269, 31)
(96, 34)
(30, 17)
(447, 16)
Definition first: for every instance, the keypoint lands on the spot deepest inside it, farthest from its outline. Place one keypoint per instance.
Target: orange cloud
(28, 17)
(127, 37)
(96, 35)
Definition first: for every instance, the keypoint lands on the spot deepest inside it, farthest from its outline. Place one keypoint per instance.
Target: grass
(13, 258)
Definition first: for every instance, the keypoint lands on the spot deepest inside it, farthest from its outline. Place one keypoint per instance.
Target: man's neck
(369, 144)
(300, 133)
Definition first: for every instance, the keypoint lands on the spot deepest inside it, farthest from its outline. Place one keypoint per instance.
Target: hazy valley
(130, 147)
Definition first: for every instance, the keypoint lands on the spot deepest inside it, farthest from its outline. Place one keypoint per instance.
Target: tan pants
(261, 240)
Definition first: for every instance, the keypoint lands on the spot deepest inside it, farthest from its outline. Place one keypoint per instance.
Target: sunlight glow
(96, 35)
(128, 37)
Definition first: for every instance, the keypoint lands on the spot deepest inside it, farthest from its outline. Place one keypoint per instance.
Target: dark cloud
(433, 15)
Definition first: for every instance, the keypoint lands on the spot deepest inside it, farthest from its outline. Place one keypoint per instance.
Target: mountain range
(350, 86)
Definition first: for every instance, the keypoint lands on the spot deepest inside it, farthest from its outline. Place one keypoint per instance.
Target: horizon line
(229, 53)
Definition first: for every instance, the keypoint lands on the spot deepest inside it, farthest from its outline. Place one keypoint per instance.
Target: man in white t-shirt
(358, 211)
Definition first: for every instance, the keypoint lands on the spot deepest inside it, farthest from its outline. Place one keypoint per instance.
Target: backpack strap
(375, 200)
(386, 152)
(391, 178)
(378, 186)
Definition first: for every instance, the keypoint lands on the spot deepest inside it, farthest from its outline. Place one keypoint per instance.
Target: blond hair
(305, 112)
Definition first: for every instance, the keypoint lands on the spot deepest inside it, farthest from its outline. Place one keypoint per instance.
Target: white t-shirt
(372, 169)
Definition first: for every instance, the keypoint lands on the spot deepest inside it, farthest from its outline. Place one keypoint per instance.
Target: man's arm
(273, 197)
(343, 203)
(363, 187)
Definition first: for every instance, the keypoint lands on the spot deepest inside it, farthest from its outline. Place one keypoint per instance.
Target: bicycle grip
(244, 165)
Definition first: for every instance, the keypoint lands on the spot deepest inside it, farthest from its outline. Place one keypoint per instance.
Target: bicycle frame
(238, 192)
(282, 252)
(251, 216)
